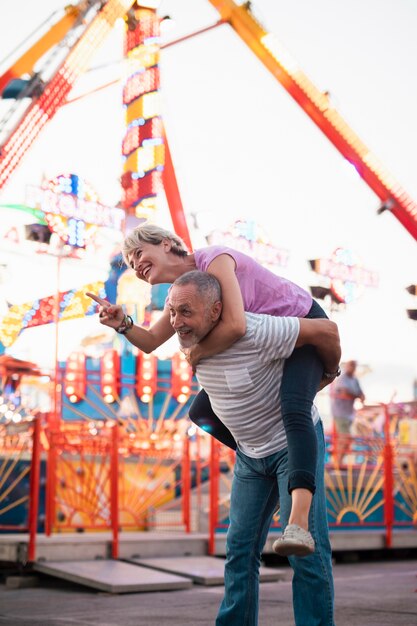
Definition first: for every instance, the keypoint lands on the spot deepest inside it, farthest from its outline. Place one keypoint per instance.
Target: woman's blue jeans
(257, 483)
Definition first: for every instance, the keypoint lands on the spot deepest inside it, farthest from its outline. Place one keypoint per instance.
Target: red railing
(113, 480)
(34, 488)
(108, 480)
(371, 479)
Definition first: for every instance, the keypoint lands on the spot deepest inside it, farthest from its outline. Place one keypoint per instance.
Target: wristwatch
(330, 375)
(125, 325)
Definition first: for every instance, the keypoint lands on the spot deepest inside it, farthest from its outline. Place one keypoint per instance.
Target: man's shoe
(295, 541)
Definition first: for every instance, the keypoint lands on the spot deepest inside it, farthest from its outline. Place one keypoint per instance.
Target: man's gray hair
(207, 285)
(151, 233)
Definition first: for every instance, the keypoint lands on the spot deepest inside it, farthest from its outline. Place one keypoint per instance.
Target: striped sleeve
(276, 336)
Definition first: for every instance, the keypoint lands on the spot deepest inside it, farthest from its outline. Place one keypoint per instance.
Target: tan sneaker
(295, 541)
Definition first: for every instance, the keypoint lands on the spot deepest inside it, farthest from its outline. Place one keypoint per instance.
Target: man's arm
(350, 389)
(359, 392)
(323, 334)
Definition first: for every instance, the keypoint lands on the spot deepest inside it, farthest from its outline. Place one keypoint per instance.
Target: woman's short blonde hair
(151, 233)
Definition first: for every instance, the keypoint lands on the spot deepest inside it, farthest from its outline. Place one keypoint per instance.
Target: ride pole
(388, 480)
(186, 487)
(214, 493)
(114, 490)
(34, 488)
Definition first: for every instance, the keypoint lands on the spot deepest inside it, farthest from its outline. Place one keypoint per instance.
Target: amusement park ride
(147, 396)
(82, 30)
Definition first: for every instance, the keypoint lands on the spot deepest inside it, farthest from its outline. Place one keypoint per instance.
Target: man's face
(191, 316)
(350, 368)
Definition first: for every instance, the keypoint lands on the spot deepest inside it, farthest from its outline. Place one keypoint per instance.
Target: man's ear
(216, 311)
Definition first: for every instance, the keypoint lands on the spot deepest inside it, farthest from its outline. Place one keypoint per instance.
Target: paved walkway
(378, 593)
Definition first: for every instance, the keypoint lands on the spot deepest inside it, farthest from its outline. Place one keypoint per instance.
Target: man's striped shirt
(244, 381)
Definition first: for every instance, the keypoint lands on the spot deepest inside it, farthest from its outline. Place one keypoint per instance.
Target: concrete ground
(368, 593)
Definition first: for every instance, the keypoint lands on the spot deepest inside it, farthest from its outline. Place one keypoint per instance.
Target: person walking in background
(344, 391)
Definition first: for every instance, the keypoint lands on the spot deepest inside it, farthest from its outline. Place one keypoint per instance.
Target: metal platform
(113, 576)
(151, 545)
(354, 540)
(201, 570)
(97, 545)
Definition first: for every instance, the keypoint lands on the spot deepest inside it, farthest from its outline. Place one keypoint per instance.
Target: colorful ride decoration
(107, 477)
(250, 238)
(14, 475)
(152, 429)
(372, 486)
(376, 482)
(143, 144)
(75, 379)
(65, 305)
(83, 491)
(72, 210)
(121, 473)
(86, 27)
(146, 375)
(134, 389)
(355, 494)
(79, 479)
(69, 221)
(110, 375)
(90, 30)
(149, 480)
(347, 277)
(181, 377)
(20, 446)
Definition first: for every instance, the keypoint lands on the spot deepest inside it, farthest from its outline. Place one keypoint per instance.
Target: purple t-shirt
(262, 290)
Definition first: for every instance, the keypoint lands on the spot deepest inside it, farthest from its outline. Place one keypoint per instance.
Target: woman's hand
(324, 382)
(111, 315)
(192, 356)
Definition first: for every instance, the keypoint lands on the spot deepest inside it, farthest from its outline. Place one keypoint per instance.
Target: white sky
(242, 148)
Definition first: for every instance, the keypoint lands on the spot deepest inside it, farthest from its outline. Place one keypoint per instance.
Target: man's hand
(111, 315)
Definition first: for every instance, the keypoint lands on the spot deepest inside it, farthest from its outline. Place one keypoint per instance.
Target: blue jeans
(256, 485)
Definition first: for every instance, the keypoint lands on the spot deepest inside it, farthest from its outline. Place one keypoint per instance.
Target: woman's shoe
(295, 541)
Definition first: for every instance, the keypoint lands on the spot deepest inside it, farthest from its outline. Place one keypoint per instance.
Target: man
(344, 392)
(243, 384)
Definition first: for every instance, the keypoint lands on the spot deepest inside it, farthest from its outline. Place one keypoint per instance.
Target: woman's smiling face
(151, 262)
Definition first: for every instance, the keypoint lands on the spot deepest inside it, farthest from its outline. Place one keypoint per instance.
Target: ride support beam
(25, 63)
(55, 93)
(319, 108)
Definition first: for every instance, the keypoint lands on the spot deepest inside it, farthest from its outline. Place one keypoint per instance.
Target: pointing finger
(97, 299)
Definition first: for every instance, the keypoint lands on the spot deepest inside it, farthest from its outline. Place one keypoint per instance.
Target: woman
(159, 256)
